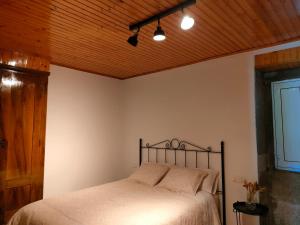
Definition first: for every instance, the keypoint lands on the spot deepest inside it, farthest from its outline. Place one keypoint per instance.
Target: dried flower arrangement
(252, 188)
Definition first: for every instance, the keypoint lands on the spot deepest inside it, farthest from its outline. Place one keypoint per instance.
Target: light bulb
(187, 22)
(159, 37)
(159, 34)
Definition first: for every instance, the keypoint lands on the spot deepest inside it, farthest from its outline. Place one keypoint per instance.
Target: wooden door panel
(39, 134)
(23, 100)
(2, 167)
(17, 197)
(18, 128)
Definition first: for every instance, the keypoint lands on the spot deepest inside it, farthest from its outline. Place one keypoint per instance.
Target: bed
(127, 202)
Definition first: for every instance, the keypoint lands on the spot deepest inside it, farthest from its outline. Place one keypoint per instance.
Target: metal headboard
(176, 145)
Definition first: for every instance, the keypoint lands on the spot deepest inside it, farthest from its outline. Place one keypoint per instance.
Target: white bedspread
(121, 203)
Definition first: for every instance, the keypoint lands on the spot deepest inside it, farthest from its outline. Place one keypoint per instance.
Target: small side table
(255, 209)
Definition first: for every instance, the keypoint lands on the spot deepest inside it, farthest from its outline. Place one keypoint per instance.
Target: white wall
(83, 131)
(204, 103)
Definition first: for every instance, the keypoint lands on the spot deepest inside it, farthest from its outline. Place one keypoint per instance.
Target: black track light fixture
(159, 34)
(133, 40)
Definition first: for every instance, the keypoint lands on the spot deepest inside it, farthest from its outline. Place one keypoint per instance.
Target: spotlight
(133, 40)
(159, 34)
(187, 22)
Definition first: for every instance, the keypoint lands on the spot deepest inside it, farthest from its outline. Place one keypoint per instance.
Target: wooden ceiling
(91, 35)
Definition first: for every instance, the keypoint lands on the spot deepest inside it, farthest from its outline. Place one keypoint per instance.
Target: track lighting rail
(181, 6)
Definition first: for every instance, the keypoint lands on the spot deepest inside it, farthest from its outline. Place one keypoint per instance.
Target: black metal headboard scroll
(185, 146)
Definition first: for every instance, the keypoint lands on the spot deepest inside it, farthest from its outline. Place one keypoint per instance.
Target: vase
(250, 197)
(251, 200)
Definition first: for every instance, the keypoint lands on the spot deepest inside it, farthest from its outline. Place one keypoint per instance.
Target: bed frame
(176, 145)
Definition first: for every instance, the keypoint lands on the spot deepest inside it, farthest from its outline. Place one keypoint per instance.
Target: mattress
(123, 202)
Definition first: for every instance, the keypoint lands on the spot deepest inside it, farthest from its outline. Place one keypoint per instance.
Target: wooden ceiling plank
(107, 12)
(129, 46)
(126, 63)
(266, 19)
(279, 9)
(93, 72)
(213, 39)
(266, 35)
(210, 41)
(218, 24)
(211, 58)
(172, 39)
(220, 14)
(39, 8)
(134, 62)
(166, 25)
(79, 9)
(71, 58)
(264, 10)
(92, 34)
(101, 20)
(89, 54)
(188, 52)
(237, 25)
(27, 25)
(210, 30)
(200, 35)
(292, 15)
(242, 18)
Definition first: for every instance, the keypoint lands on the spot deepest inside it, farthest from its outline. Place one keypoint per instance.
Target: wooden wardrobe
(23, 102)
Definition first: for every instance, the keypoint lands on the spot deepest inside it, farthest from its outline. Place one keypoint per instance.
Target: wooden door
(3, 146)
(23, 99)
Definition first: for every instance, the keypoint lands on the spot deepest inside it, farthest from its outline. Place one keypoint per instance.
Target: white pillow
(149, 173)
(211, 181)
(183, 180)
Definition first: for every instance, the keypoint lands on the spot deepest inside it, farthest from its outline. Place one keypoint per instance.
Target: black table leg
(236, 218)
